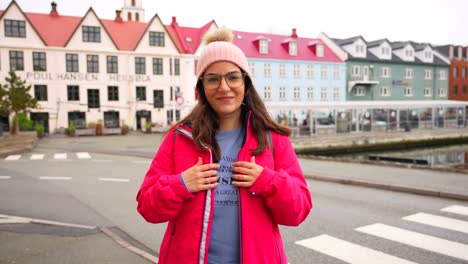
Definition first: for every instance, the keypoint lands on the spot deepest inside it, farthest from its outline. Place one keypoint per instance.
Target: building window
(91, 34)
(39, 61)
(336, 93)
(360, 90)
(293, 48)
(442, 75)
(455, 72)
(464, 90)
(93, 98)
(282, 93)
(140, 65)
(408, 91)
(156, 39)
(442, 92)
(310, 71)
(323, 94)
(40, 92)
(177, 67)
(336, 72)
(72, 62)
(409, 73)
(384, 91)
(267, 93)
(282, 71)
(427, 92)
(141, 93)
(112, 93)
(92, 63)
(455, 89)
(157, 66)
(77, 118)
(252, 68)
(463, 72)
(111, 119)
(73, 92)
(297, 71)
(428, 74)
(177, 115)
(267, 70)
(297, 93)
(324, 72)
(310, 93)
(320, 51)
(112, 64)
(158, 98)
(385, 72)
(264, 46)
(15, 28)
(16, 60)
(170, 116)
(356, 70)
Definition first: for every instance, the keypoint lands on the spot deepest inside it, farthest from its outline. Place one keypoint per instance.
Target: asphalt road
(347, 222)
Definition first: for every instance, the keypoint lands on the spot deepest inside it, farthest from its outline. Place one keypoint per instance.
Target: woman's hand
(245, 173)
(201, 176)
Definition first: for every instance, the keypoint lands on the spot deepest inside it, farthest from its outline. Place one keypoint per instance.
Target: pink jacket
(279, 196)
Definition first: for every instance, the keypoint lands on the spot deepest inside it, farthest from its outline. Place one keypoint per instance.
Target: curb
(391, 187)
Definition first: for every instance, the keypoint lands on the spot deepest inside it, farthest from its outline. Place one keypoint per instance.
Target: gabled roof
(188, 39)
(276, 50)
(400, 45)
(126, 35)
(376, 43)
(422, 46)
(55, 30)
(347, 41)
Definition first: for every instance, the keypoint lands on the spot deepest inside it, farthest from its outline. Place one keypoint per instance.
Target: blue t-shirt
(224, 239)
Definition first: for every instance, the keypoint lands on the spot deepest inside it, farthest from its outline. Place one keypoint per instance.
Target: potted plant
(124, 128)
(71, 129)
(148, 126)
(40, 130)
(99, 128)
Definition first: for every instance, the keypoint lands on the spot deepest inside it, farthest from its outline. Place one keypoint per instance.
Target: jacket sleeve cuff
(263, 180)
(179, 188)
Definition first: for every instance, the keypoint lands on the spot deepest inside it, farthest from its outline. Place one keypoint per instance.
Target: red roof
(126, 35)
(187, 39)
(277, 47)
(54, 30)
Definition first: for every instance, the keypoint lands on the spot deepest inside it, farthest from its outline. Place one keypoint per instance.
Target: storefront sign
(86, 77)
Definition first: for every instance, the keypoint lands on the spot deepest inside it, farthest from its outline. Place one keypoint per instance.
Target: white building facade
(87, 70)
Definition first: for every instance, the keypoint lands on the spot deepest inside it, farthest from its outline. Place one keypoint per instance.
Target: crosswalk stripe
(349, 252)
(456, 209)
(435, 244)
(439, 221)
(12, 157)
(83, 155)
(114, 179)
(37, 157)
(60, 156)
(5, 177)
(55, 178)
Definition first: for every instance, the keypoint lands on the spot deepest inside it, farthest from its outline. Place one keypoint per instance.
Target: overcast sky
(438, 22)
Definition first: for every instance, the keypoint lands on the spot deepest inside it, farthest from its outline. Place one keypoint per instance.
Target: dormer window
(359, 49)
(320, 50)
(15, 28)
(264, 46)
(385, 51)
(293, 48)
(91, 34)
(409, 53)
(428, 55)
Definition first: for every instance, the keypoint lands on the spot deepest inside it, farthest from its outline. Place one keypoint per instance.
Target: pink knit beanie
(219, 47)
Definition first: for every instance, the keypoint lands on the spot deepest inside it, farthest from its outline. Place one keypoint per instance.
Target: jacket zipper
(170, 242)
(277, 249)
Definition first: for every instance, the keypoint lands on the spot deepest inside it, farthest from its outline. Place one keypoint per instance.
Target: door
(142, 114)
(41, 118)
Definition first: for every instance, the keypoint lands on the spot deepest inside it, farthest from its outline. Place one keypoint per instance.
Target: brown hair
(204, 121)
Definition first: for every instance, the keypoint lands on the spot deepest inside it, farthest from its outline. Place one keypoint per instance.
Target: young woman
(226, 175)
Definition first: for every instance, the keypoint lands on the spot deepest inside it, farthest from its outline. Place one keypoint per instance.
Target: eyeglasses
(213, 81)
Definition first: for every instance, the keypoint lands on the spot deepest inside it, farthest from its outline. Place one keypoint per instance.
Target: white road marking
(13, 157)
(55, 178)
(439, 221)
(114, 179)
(37, 157)
(60, 156)
(17, 219)
(456, 209)
(83, 155)
(5, 177)
(349, 252)
(435, 244)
